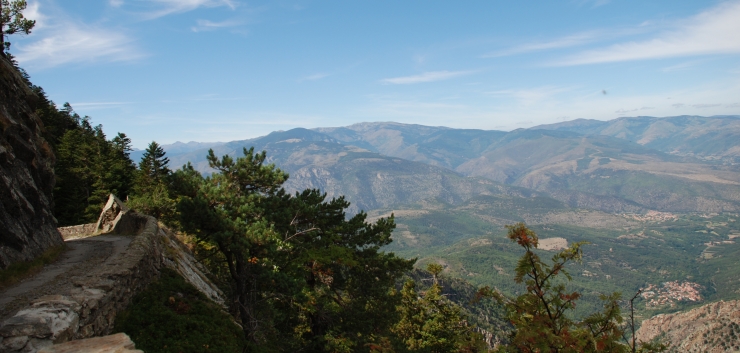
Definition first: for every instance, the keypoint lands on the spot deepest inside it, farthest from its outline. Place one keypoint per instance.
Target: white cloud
(565, 42)
(58, 42)
(97, 105)
(166, 7)
(115, 3)
(431, 76)
(32, 13)
(680, 67)
(711, 32)
(73, 44)
(206, 25)
(625, 111)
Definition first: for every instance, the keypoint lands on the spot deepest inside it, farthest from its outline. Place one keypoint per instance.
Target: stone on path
(117, 343)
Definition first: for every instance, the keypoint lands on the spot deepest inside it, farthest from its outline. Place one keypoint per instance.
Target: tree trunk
(2, 34)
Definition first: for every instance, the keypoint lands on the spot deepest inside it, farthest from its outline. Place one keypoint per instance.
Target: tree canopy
(12, 20)
(303, 275)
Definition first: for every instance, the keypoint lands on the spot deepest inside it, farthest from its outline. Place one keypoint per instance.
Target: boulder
(52, 318)
(118, 343)
(116, 218)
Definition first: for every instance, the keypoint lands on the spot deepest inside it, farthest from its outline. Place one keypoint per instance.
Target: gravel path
(80, 256)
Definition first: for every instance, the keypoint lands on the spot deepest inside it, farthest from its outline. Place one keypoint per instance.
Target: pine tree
(88, 168)
(542, 317)
(303, 276)
(154, 165)
(151, 194)
(431, 323)
(12, 21)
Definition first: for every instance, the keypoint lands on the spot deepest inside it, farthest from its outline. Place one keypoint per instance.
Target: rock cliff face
(27, 226)
(714, 327)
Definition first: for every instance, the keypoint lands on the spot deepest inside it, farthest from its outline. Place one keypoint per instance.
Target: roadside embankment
(80, 295)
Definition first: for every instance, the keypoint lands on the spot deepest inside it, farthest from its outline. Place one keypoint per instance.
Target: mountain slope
(716, 137)
(585, 171)
(368, 180)
(439, 146)
(712, 327)
(606, 173)
(592, 171)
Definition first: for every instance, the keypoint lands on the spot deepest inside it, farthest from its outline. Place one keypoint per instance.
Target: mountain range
(656, 198)
(582, 163)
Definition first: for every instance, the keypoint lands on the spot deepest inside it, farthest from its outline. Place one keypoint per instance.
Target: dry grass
(22, 270)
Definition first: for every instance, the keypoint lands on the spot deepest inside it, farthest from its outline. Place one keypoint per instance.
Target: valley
(656, 216)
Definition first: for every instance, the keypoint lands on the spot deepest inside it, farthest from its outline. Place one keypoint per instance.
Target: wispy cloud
(701, 105)
(625, 111)
(710, 32)
(98, 105)
(680, 67)
(705, 105)
(32, 12)
(316, 76)
(529, 96)
(206, 25)
(62, 43)
(167, 7)
(431, 76)
(564, 42)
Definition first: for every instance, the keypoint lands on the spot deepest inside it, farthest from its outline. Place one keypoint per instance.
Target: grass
(172, 316)
(21, 270)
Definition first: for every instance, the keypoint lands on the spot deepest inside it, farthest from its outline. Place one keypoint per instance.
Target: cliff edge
(27, 225)
(714, 327)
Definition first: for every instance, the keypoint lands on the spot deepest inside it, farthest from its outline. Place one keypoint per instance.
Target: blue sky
(222, 70)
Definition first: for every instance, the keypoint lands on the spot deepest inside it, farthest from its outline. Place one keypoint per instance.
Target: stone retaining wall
(90, 308)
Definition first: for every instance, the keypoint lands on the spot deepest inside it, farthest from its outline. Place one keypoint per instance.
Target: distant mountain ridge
(714, 137)
(368, 179)
(177, 148)
(568, 161)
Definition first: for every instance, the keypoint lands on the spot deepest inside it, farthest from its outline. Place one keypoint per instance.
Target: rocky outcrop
(118, 343)
(713, 327)
(27, 226)
(115, 218)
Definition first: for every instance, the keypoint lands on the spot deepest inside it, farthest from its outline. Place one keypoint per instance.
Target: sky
(224, 70)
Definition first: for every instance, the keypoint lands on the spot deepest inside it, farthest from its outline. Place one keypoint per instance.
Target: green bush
(172, 316)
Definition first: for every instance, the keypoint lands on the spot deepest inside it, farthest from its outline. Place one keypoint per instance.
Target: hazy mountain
(715, 137)
(177, 148)
(596, 171)
(381, 164)
(593, 171)
(369, 180)
(440, 146)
